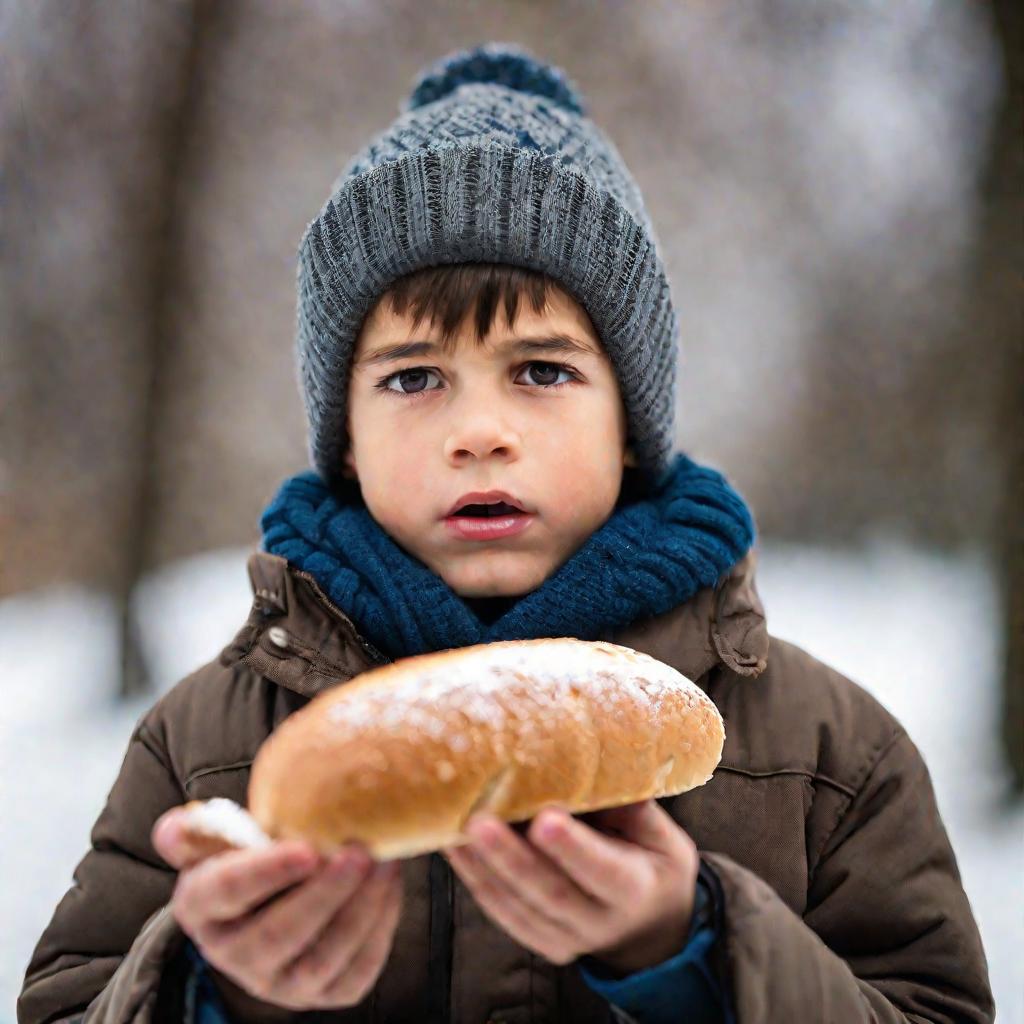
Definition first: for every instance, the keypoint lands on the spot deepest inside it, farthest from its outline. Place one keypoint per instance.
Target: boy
(483, 318)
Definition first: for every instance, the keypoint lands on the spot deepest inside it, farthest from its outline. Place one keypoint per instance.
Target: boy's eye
(547, 374)
(413, 378)
(413, 381)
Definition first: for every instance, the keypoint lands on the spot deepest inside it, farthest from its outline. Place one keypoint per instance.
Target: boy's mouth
(486, 505)
(481, 519)
(499, 508)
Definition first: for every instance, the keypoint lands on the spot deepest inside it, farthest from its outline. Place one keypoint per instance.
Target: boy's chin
(499, 584)
(496, 590)
(483, 595)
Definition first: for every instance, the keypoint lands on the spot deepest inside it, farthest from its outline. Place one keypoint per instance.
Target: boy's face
(429, 428)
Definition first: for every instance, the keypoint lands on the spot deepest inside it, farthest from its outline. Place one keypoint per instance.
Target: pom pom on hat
(501, 64)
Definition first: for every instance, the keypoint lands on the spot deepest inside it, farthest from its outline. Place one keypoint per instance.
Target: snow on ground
(916, 629)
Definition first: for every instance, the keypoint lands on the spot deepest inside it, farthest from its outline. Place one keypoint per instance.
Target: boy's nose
(480, 439)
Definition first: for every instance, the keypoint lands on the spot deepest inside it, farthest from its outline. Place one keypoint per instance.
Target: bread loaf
(400, 757)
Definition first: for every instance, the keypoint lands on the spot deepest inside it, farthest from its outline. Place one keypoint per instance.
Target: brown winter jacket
(841, 901)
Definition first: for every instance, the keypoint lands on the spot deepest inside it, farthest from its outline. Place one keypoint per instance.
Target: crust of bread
(202, 841)
(400, 757)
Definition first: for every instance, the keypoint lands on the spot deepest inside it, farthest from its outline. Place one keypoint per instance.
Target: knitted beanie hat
(492, 159)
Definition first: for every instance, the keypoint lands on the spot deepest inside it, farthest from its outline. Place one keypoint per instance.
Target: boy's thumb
(166, 837)
(644, 823)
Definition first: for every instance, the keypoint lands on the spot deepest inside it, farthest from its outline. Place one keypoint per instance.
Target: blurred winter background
(837, 191)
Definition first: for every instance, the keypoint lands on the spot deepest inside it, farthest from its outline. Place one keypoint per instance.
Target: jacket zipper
(440, 957)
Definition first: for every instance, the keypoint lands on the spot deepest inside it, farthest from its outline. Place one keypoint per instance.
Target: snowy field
(914, 628)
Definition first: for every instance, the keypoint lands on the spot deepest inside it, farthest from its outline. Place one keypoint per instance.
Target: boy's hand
(624, 899)
(321, 945)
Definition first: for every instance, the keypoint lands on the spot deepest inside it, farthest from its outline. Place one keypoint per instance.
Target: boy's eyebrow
(547, 343)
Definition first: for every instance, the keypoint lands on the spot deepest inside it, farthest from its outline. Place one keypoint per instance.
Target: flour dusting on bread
(221, 818)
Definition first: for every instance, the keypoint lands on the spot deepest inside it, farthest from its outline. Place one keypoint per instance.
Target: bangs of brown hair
(447, 293)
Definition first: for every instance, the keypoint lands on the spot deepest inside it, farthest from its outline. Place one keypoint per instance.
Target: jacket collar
(298, 638)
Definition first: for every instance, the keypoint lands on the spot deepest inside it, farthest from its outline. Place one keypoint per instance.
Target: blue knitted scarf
(651, 554)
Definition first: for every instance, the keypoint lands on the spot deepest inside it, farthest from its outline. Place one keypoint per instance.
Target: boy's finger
(644, 823)
(177, 845)
(607, 871)
(168, 838)
(275, 936)
(504, 907)
(617, 819)
(362, 969)
(537, 879)
(339, 940)
(649, 825)
(234, 883)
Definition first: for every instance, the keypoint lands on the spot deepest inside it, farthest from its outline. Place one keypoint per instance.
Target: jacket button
(277, 636)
